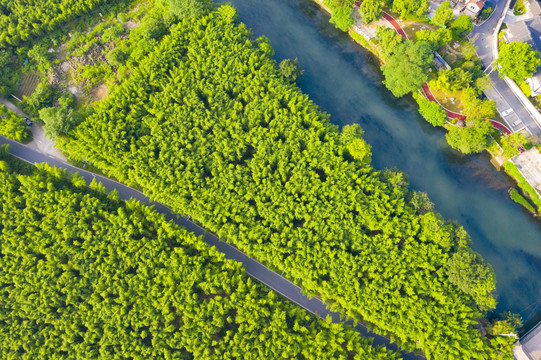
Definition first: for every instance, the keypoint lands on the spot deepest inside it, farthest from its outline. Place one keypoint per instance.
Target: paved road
(509, 104)
(39, 142)
(253, 268)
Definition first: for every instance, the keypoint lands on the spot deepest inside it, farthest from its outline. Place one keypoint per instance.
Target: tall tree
(370, 10)
(517, 60)
(59, 120)
(407, 68)
(476, 108)
(291, 70)
(407, 8)
(462, 25)
(342, 17)
(388, 40)
(467, 270)
(430, 110)
(444, 14)
(473, 138)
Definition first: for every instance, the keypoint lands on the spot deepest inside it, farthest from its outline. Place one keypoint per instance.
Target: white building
(473, 8)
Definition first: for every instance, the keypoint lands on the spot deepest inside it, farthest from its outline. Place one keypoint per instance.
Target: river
(345, 81)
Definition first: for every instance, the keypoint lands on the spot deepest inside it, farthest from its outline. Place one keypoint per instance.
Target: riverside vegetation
(407, 64)
(208, 124)
(85, 275)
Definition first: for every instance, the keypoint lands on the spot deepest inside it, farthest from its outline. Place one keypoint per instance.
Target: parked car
(28, 121)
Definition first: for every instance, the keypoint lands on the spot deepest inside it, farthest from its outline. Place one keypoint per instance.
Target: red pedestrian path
(426, 89)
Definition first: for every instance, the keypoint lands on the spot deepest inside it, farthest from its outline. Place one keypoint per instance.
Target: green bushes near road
(208, 125)
(430, 111)
(522, 183)
(12, 125)
(86, 276)
(517, 60)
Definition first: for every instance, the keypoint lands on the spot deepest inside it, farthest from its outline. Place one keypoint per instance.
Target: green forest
(86, 276)
(207, 124)
(23, 20)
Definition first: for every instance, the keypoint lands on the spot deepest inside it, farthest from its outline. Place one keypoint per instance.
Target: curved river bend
(345, 81)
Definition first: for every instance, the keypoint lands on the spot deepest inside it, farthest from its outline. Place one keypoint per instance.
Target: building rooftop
(535, 9)
(529, 164)
(528, 31)
(529, 346)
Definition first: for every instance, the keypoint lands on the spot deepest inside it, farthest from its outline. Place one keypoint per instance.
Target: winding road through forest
(255, 269)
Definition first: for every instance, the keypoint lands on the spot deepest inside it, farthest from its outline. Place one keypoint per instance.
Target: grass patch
(411, 27)
(519, 199)
(512, 170)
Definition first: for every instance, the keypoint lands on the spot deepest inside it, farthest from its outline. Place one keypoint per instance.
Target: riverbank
(363, 36)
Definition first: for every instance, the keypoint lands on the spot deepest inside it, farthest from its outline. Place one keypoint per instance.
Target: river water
(345, 81)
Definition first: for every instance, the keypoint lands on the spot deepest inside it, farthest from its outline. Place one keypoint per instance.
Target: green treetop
(407, 8)
(407, 68)
(518, 60)
(430, 110)
(444, 15)
(370, 10)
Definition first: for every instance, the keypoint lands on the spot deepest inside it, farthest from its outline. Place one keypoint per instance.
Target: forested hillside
(86, 276)
(207, 125)
(21, 20)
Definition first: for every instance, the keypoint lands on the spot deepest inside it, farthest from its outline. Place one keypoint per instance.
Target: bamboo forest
(207, 125)
(87, 276)
(200, 117)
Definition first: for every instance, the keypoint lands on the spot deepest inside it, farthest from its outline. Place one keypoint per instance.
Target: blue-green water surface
(345, 81)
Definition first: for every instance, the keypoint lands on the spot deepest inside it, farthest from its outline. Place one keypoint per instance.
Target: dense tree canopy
(370, 10)
(431, 111)
(462, 25)
(7, 72)
(444, 14)
(437, 38)
(59, 120)
(23, 19)
(518, 60)
(186, 8)
(405, 8)
(451, 80)
(208, 125)
(388, 40)
(407, 68)
(476, 108)
(86, 276)
(12, 125)
(473, 138)
(291, 70)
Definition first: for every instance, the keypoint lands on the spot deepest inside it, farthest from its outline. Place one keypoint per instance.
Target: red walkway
(426, 89)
